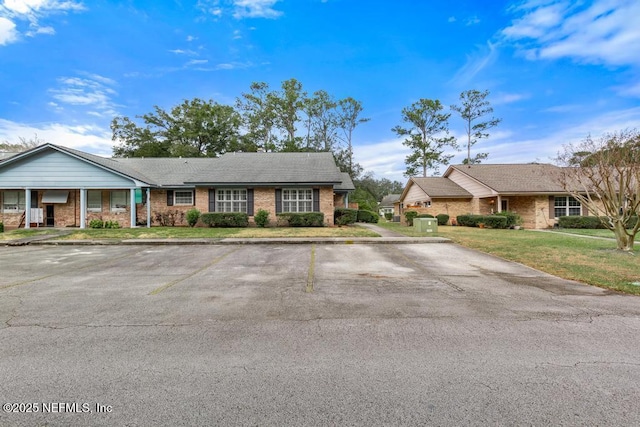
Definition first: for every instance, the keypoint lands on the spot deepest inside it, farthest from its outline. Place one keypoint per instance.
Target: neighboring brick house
(57, 186)
(531, 190)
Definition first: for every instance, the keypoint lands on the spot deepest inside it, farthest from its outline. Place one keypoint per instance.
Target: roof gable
(512, 178)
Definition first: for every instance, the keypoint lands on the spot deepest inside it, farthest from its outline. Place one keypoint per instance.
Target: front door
(504, 205)
(49, 220)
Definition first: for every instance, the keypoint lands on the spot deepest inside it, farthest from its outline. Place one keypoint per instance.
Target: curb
(236, 241)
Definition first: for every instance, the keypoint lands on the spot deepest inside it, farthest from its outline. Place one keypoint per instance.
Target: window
(228, 200)
(183, 197)
(297, 200)
(566, 206)
(13, 201)
(119, 200)
(94, 200)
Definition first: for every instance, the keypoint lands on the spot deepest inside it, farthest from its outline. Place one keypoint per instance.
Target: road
(416, 334)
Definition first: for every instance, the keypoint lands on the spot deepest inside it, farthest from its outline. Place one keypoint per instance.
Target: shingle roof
(346, 184)
(440, 187)
(514, 178)
(169, 171)
(389, 199)
(271, 168)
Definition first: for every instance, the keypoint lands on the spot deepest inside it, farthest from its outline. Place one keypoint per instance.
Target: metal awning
(55, 196)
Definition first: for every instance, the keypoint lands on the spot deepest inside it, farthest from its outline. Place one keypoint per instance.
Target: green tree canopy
(194, 128)
(427, 135)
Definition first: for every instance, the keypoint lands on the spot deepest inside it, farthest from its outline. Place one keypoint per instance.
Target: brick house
(531, 190)
(57, 186)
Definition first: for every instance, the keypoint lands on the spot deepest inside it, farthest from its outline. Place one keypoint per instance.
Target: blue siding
(53, 169)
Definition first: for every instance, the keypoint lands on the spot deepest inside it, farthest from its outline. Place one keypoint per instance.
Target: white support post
(132, 193)
(499, 202)
(83, 207)
(148, 207)
(27, 208)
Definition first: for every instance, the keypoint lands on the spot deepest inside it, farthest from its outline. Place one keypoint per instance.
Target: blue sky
(557, 70)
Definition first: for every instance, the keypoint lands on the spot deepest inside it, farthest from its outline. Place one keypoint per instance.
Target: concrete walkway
(381, 231)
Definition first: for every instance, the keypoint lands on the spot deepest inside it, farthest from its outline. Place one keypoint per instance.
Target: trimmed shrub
(305, 219)
(343, 216)
(580, 222)
(368, 216)
(495, 221)
(513, 218)
(1, 227)
(443, 219)
(261, 218)
(225, 219)
(193, 215)
(491, 221)
(96, 223)
(111, 224)
(410, 216)
(388, 216)
(425, 216)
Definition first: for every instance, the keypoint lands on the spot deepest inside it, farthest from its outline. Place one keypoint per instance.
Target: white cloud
(472, 20)
(8, 33)
(86, 137)
(451, 19)
(196, 62)
(478, 61)
(632, 90)
(31, 12)
(508, 98)
(255, 9)
(91, 90)
(239, 8)
(600, 32)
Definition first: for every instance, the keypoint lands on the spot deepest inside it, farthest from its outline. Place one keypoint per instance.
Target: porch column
(148, 207)
(346, 201)
(132, 194)
(27, 208)
(499, 202)
(83, 207)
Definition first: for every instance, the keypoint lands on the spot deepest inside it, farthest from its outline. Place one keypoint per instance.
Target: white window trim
(116, 209)
(297, 200)
(4, 201)
(233, 203)
(94, 209)
(566, 207)
(175, 198)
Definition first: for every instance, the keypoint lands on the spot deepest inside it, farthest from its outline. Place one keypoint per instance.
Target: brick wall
(451, 207)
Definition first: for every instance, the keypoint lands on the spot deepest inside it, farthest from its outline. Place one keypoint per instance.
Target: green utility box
(425, 225)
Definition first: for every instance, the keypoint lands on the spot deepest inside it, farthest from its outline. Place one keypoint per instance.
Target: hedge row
(343, 216)
(591, 222)
(1, 227)
(490, 221)
(225, 219)
(306, 219)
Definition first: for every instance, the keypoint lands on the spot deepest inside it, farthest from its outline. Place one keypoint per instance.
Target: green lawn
(217, 233)
(586, 232)
(593, 261)
(22, 233)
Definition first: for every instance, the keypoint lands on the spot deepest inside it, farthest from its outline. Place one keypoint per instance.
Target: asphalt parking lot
(308, 335)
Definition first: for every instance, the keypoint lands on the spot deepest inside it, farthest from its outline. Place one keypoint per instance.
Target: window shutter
(34, 198)
(250, 201)
(552, 206)
(316, 200)
(585, 211)
(194, 197)
(169, 197)
(278, 201)
(212, 200)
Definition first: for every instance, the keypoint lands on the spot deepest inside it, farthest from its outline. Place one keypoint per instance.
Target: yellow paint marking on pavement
(175, 282)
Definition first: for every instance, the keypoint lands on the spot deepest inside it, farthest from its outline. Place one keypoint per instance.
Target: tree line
(426, 131)
(287, 119)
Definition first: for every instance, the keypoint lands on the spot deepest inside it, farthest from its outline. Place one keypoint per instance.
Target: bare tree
(24, 144)
(604, 176)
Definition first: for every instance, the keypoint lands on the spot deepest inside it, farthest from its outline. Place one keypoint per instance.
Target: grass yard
(593, 261)
(216, 233)
(586, 232)
(22, 233)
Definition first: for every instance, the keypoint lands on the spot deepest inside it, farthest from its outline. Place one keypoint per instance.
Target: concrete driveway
(308, 335)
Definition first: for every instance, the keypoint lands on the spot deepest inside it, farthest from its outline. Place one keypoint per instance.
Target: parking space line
(311, 269)
(175, 282)
(76, 269)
